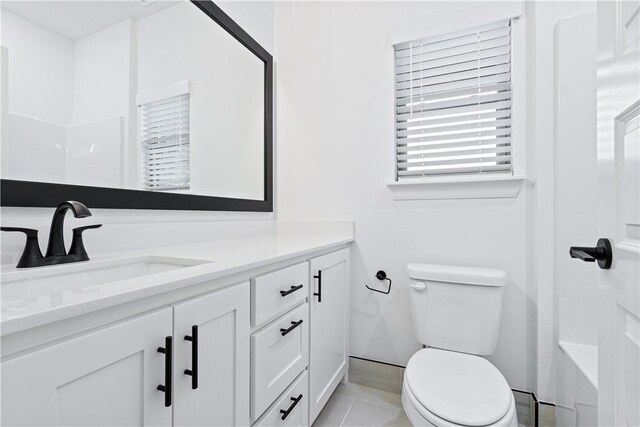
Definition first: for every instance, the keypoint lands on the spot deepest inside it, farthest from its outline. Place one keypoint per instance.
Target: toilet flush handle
(418, 286)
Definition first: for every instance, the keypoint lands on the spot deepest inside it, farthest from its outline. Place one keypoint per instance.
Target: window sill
(488, 187)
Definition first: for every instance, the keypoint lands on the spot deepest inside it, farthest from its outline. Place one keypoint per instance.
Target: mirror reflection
(147, 95)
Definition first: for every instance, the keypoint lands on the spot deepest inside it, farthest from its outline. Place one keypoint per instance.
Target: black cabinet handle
(285, 413)
(602, 253)
(294, 325)
(167, 350)
(319, 293)
(290, 291)
(194, 356)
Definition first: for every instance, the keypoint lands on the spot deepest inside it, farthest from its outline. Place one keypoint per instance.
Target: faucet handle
(30, 232)
(79, 230)
(77, 245)
(31, 255)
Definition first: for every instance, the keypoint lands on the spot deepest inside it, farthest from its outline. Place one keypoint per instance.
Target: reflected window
(165, 151)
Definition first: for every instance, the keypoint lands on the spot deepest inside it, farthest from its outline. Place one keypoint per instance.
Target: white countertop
(221, 258)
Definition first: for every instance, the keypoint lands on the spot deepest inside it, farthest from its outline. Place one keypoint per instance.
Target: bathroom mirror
(138, 104)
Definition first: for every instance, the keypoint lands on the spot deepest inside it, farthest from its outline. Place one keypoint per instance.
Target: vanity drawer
(274, 293)
(279, 352)
(294, 400)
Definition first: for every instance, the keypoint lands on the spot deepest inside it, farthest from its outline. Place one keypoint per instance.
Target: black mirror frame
(42, 194)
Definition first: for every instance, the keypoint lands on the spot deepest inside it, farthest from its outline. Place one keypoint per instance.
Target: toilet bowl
(444, 388)
(456, 314)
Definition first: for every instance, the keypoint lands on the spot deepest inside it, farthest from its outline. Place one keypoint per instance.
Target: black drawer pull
(286, 413)
(290, 291)
(194, 356)
(319, 293)
(294, 325)
(167, 350)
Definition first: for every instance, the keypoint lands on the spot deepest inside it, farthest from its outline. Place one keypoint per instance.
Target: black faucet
(56, 252)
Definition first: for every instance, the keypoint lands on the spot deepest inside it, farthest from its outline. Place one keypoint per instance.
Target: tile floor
(358, 405)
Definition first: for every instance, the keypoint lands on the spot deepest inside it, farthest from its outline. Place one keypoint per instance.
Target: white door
(212, 344)
(619, 212)
(328, 323)
(108, 377)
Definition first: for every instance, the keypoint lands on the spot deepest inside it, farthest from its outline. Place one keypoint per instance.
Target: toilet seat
(420, 416)
(449, 388)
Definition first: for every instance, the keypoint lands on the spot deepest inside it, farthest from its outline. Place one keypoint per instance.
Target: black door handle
(167, 350)
(285, 413)
(289, 291)
(602, 253)
(194, 357)
(319, 293)
(294, 325)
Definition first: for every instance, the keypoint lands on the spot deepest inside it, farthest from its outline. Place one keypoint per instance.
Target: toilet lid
(461, 388)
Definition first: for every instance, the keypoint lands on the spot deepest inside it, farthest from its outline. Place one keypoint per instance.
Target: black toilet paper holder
(381, 275)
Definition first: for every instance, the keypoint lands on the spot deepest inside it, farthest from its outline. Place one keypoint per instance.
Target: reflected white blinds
(453, 103)
(164, 144)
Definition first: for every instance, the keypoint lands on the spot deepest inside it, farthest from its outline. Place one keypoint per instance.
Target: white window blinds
(453, 103)
(164, 144)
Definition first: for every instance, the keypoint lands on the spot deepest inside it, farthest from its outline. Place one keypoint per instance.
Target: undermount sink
(83, 277)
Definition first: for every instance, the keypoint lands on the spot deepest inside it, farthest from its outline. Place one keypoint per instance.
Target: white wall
(335, 128)
(38, 57)
(38, 111)
(101, 73)
(130, 229)
(103, 115)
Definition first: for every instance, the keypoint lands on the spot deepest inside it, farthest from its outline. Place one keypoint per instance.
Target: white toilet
(456, 313)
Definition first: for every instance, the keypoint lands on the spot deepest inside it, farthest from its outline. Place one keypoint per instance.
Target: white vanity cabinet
(107, 377)
(329, 327)
(265, 347)
(211, 362)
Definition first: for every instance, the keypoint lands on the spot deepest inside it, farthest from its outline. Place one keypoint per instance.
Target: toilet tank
(456, 308)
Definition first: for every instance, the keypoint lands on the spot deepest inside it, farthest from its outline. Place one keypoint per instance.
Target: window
(453, 104)
(165, 144)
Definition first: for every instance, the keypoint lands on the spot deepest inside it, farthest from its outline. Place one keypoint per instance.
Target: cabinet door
(328, 323)
(222, 368)
(108, 377)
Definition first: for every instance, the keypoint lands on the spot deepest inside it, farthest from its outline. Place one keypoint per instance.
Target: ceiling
(76, 19)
